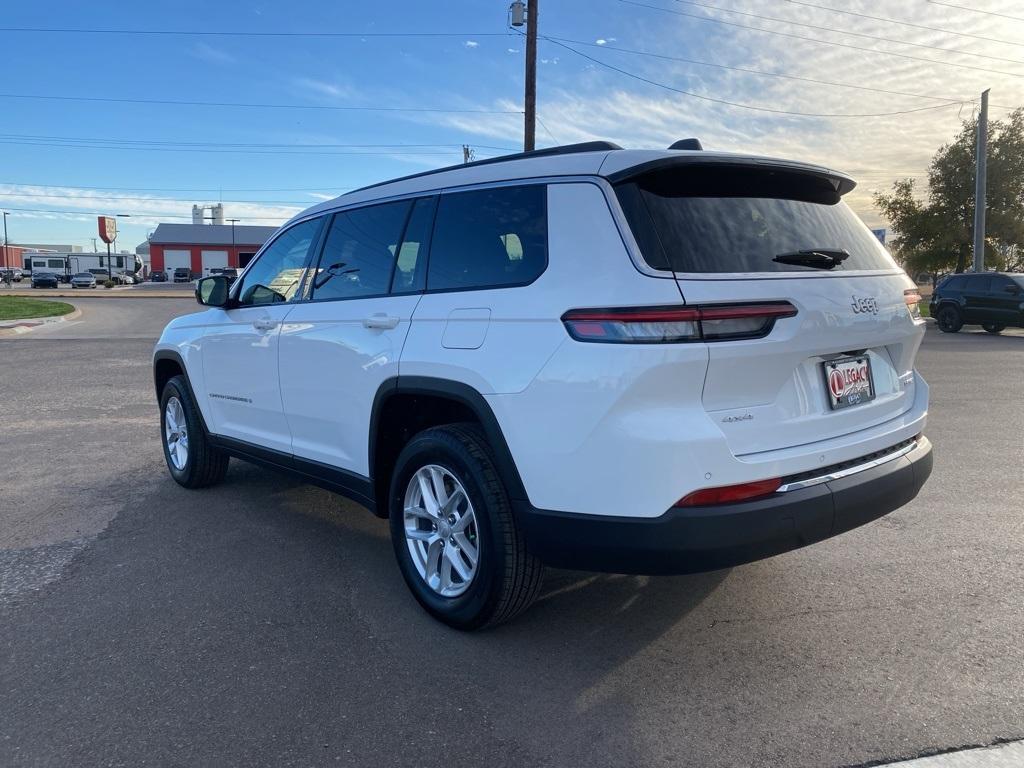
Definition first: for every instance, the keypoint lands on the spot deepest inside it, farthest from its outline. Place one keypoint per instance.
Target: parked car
(229, 272)
(123, 278)
(14, 274)
(44, 280)
(993, 300)
(182, 275)
(158, 276)
(586, 357)
(83, 280)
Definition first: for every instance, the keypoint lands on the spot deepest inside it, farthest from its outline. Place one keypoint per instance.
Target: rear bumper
(695, 539)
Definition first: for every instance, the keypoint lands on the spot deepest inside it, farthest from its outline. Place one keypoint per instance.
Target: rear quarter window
(704, 219)
(489, 238)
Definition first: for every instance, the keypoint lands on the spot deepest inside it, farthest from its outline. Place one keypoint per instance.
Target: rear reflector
(659, 325)
(729, 493)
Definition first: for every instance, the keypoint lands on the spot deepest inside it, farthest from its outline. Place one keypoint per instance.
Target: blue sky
(133, 151)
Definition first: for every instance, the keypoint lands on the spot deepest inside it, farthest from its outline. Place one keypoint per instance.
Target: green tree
(935, 231)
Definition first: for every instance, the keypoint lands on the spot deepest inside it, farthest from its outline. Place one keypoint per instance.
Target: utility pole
(530, 127)
(468, 155)
(980, 174)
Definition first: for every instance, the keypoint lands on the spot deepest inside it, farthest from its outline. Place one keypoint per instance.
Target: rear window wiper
(819, 258)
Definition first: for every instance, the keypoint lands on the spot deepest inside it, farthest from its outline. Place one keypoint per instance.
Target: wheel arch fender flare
(172, 355)
(465, 395)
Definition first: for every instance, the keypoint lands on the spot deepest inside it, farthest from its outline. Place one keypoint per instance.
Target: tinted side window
(411, 270)
(359, 253)
(979, 284)
(278, 273)
(489, 238)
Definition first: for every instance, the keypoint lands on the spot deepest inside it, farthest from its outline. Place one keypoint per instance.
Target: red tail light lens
(661, 325)
(729, 493)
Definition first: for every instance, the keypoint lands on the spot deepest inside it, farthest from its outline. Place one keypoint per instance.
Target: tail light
(661, 325)
(913, 299)
(729, 493)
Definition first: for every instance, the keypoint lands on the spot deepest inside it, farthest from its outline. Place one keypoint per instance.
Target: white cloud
(208, 53)
(513, 50)
(471, 44)
(334, 89)
(605, 40)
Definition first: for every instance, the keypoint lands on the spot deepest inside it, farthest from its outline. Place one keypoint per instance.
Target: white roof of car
(603, 162)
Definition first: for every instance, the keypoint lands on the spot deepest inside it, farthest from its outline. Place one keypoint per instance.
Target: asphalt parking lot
(264, 622)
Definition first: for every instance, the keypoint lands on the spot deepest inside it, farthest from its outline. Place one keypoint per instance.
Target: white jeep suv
(587, 357)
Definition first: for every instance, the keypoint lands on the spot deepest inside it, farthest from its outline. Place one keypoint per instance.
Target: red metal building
(202, 247)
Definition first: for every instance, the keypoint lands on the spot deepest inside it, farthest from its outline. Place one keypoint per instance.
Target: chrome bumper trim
(798, 484)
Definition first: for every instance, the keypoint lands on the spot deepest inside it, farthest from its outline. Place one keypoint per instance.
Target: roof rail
(565, 149)
(687, 144)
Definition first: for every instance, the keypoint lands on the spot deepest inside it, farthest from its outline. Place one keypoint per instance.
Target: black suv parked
(993, 300)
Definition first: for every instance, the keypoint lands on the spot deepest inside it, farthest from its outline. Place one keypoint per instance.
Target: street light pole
(8, 271)
(233, 254)
(980, 180)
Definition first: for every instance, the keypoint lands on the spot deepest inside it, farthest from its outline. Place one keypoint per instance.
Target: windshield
(705, 219)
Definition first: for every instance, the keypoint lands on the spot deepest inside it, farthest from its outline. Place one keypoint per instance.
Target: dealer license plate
(848, 382)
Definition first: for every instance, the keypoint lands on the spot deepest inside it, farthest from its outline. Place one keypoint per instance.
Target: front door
(337, 348)
(240, 349)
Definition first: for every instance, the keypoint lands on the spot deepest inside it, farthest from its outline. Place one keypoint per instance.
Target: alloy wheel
(176, 433)
(441, 530)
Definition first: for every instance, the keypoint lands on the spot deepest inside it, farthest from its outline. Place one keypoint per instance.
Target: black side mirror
(213, 291)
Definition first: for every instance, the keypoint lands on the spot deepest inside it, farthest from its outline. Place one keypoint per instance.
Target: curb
(18, 327)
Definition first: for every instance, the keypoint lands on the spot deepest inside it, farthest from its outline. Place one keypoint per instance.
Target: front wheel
(456, 540)
(949, 320)
(994, 328)
(192, 461)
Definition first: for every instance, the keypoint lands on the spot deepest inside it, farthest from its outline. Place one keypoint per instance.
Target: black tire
(508, 577)
(994, 328)
(205, 465)
(949, 319)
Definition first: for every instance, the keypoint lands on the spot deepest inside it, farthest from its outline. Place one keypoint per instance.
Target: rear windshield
(708, 219)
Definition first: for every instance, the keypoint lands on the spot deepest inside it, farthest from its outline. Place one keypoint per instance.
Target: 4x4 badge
(863, 305)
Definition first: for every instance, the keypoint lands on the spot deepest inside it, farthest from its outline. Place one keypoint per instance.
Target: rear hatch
(736, 234)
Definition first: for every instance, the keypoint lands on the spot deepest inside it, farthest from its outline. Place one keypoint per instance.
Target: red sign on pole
(107, 228)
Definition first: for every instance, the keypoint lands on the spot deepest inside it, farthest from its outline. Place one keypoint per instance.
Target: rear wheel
(949, 319)
(457, 543)
(192, 461)
(993, 328)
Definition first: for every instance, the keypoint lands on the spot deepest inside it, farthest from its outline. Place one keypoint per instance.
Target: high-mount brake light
(661, 325)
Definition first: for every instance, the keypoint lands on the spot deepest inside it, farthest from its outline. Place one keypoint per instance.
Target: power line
(761, 72)
(181, 189)
(744, 106)
(172, 102)
(6, 193)
(846, 32)
(238, 33)
(977, 10)
(135, 214)
(69, 145)
(164, 142)
(903, 23)
(822, 42)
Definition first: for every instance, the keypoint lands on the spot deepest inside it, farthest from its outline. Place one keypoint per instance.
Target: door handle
(264, 324)
(380, 320)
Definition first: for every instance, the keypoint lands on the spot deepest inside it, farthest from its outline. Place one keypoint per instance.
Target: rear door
(734, 236)
(340, 345)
